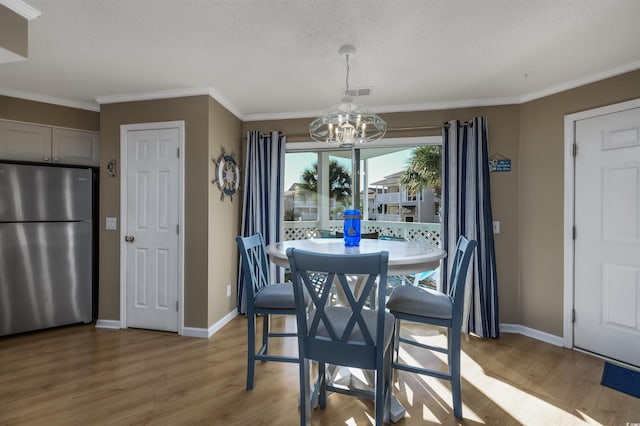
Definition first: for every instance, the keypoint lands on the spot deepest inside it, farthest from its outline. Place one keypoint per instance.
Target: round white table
(405, 257)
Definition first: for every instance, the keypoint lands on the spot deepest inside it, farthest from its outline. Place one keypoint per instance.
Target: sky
(379, 167)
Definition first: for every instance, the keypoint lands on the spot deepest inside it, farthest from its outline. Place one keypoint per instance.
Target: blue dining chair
(351, 334)
(426, 306)
(262, 298)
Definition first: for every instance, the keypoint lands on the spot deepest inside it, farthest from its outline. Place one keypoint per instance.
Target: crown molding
(49, 100)
(213, 93)
(580, 82)
(169, 94)
(467, 103)
(21, 8)
(150, 96)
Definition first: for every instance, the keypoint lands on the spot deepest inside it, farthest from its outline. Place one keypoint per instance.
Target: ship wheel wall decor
(227, 175)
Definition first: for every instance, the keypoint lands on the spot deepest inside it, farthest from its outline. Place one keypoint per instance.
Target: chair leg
(265, 334)
(322, 385)
(388, 373)
(379, 402)
(396, 341)
(251, 349)
(454, 367)
(305, 394)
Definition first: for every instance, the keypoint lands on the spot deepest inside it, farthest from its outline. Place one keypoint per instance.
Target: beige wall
(503, 139)
(541, 192)
(528, 201)
(224, 215)
(14, 32)
(207, 127)
(48, 114)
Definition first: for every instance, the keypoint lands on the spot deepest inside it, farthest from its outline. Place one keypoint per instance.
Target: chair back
(255, 265)
(458, 277)
(344, 334)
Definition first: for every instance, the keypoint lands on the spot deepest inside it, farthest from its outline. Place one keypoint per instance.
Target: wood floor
(80, 375)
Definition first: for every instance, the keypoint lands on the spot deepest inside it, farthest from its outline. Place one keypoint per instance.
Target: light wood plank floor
(80, 375)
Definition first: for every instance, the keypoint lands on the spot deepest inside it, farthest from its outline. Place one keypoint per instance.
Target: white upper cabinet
(74, 147)
(43, 144)
(25, 142)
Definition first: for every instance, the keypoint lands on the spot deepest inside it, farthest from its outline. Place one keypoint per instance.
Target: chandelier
(347, 123)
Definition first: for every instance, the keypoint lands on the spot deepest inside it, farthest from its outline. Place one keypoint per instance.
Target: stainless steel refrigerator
(46, 247)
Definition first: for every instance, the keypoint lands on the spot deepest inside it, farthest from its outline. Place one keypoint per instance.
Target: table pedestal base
(363, 380)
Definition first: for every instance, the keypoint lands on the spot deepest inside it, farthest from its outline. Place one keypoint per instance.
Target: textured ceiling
(278, 58)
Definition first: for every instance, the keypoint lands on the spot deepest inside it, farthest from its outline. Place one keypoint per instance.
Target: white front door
(607, 243)
(150, 228)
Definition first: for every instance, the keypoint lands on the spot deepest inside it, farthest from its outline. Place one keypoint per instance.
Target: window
(319, 187)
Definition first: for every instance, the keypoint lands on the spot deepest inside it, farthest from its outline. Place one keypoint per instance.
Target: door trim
(124, 129)
(569, 206)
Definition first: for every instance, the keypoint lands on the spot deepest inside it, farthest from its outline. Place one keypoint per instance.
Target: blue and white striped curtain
(467, 211)
(262, 195)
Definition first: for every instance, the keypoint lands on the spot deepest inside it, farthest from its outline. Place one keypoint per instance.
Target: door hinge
(178, 152)
(573, 315)
(177, 306)
(574, 233)
(178, 229)
(575, 149)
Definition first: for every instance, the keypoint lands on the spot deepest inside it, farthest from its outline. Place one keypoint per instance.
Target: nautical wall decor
(227, 175)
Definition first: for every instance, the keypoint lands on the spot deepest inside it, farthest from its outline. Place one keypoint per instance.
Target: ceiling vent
(360, 91)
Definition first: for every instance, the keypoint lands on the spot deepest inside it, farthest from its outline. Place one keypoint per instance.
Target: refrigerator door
(45, 275)
(44, 193)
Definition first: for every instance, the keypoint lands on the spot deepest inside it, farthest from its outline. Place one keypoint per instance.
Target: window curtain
(467, 212)
(262, 195)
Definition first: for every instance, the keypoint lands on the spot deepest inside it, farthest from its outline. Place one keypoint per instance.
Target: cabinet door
(75, 147)
(25, 142)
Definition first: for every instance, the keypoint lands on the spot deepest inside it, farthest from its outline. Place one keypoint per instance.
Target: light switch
(111, 223)
(496, 226)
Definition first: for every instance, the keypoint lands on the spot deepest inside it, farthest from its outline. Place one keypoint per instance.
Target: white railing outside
(393, 197)
(427, 232)
(388, 217)
(305, 203)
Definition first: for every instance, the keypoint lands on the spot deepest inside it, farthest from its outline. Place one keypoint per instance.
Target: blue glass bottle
(352, 228)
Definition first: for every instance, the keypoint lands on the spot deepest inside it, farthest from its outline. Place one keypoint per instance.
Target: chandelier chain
(347, 77)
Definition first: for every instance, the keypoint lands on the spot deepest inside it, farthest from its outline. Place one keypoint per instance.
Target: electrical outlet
(496, 226)
(228, 290)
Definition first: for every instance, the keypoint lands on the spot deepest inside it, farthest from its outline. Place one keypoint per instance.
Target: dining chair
(349, 335)
(426, 306)
(415, 277)
(262, 298)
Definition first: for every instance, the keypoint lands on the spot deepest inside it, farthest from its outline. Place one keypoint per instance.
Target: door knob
(129, 238)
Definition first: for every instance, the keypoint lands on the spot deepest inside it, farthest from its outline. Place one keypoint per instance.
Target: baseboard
(533, 333)
(200, 333)
(112, 324)
(205, 333)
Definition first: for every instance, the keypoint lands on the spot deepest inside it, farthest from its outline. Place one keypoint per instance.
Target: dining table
(405, 258)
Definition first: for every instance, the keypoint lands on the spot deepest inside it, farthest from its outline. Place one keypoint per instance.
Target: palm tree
(424, 169)
(339, 181)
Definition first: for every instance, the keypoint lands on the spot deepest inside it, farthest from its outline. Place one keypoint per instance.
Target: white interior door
(607, 244)
(151, 228)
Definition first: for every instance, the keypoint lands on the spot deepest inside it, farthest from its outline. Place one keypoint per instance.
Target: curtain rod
(393, 129)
